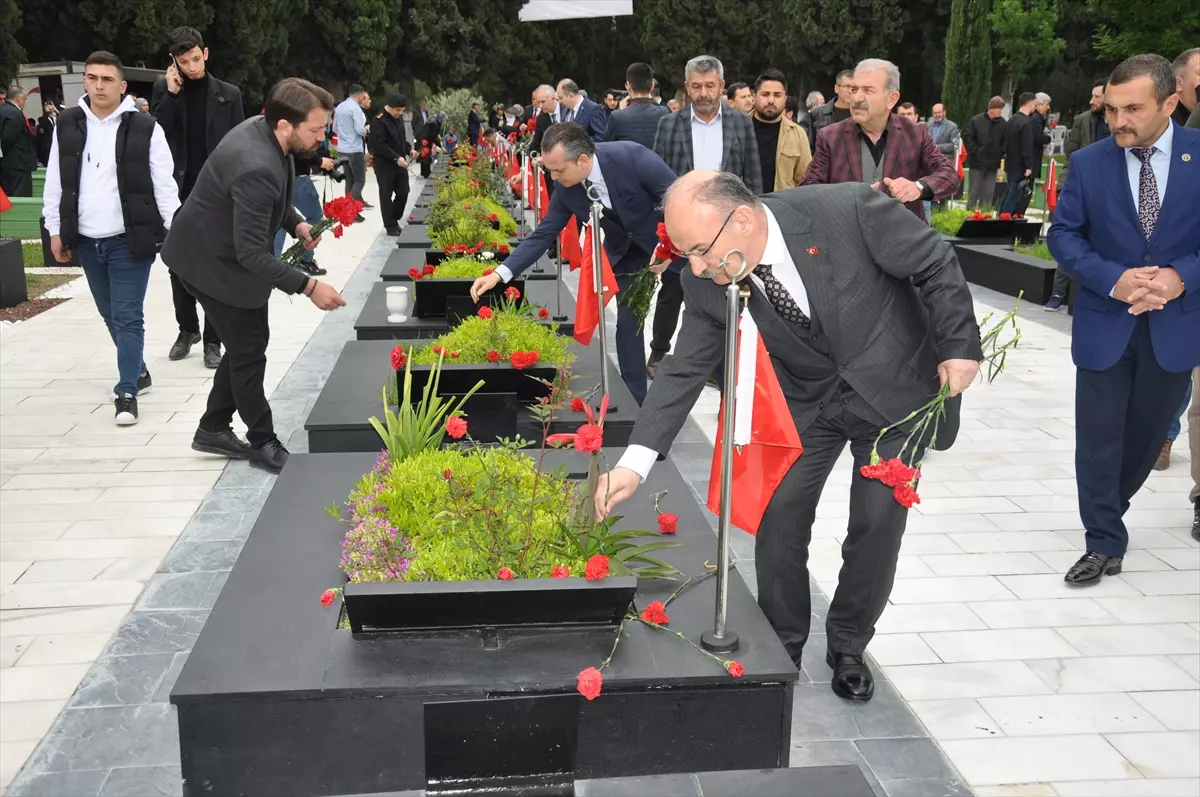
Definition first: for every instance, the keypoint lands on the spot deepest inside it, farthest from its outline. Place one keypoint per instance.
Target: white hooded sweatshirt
(99, 199)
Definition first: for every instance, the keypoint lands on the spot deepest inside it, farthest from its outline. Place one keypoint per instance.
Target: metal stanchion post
(524, 187)
(721, 639)
(558, 282)
(535, 187)
(598, 278)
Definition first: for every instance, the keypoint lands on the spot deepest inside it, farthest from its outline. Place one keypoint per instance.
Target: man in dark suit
(391, 150)
(219, 247)
(474, 125)
(708, 135)
(1020, 154)
(864, 312)
(983, 137)
(637, 121)
(1125, 228)
(574, 107)
(45, 131)
(19, 159)
(882, 149)
(195, 110)
(632, 181)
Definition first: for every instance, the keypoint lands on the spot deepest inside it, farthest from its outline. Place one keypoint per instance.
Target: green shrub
(507, 331)
(948, 220)
(461, 268)
(457, 105)
(1039, 249)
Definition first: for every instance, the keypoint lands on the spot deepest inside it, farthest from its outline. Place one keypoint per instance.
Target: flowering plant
(903, 476)
(509, 329)
(338, 214)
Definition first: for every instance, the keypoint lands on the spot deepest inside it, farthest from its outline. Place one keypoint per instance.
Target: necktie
(780, 299)
(1147, 190)
(566, 114)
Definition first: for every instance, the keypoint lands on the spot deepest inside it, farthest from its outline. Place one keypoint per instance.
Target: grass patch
(39, 284)
(31, 254)
(1039, 249)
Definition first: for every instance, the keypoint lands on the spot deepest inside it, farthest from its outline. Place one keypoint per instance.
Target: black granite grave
(400, 261)
(1002, 269)
(418, 215)
(339, 419)
(372, 323)
(416, 236)
(275, 699)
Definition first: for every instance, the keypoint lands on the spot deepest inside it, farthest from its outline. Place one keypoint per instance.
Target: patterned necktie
(1147, 190)
(780, 299)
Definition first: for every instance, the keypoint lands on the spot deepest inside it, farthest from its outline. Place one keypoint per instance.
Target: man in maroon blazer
(876, 147)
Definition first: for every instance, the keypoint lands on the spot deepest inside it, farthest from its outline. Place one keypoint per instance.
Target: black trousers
(666, 311)
(393, 192)
(1062, 283)
(869, 550)
(17, 183)
(1121, 419)
(238, 381)
(186, 315)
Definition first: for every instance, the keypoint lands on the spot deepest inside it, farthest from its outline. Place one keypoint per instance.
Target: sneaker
(311, 268)
(183, 344)
(127, 414)
(143, 386)
(1055, 304)
(212, 355)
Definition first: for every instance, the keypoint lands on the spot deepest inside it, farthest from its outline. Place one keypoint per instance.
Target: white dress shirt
(641, 459)
(100, 213)
(708, 139)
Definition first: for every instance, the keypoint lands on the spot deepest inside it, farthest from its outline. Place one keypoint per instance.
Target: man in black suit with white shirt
(868, 314)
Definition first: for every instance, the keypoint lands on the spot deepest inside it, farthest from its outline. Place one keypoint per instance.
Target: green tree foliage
(346, 38)
(249, 44)
(968, 81)
(1166, 27)
(1024, 33)
(11, 53)
(457, 104)
(831, 35)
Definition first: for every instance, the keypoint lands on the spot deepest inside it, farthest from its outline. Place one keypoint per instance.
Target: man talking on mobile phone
(195, 110)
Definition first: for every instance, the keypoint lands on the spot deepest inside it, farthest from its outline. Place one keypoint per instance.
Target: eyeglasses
(704, 252)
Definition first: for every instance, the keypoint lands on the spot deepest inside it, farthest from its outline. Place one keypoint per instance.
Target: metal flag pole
(721, 639)
(593, 193)
(558, 282)
(521, 202)
(535, 186)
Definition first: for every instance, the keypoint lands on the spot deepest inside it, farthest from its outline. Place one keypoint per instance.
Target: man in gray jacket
(220, 247)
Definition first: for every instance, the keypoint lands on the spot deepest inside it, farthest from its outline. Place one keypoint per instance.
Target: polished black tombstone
(373, 324)
(1006, 271)
(339, 419)
(395, 269)
(275, 699)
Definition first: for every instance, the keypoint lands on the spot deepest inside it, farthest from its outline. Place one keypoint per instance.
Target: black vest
(144, 229)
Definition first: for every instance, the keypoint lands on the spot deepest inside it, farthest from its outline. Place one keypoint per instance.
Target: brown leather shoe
(1164, 457)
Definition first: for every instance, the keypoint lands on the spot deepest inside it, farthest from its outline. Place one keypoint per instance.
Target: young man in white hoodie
(110, 195)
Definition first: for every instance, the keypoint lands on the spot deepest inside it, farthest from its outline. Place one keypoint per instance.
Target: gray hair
(1043, 98)
(725, 192)
(545, 88)
(515, 110)
(891, 81)
(15, 92)
(703, 64)
(811, 100)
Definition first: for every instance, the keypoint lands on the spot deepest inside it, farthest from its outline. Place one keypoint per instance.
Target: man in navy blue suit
(632, 181)
(1126, 229)
(574, 107)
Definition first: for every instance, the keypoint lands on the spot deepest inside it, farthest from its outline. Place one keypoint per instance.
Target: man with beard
(782, 144)
(219, 247)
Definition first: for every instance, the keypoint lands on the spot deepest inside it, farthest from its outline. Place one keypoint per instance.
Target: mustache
(860, 106)
(1124, 130)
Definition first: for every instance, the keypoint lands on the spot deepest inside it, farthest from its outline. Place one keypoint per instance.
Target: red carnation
(589, 683)
(438, 349)
(906, 496)
(487, 271)
(543, 313)
(597, 567)
(493, 217)
(338, 231)
(505, 574)
(656, 613)
(1006, 217)
(328, 597)
(578, 404)
(428, 269)
(589, 438)
(446, 474)
(502, 249)
(512, 294)
(524, 359)
(892, 472)
(456, 427)
(493, 356)
(735, 669)
(399, 358)
(559, 571)
(666, 522)
(485, 312)
(415, 273)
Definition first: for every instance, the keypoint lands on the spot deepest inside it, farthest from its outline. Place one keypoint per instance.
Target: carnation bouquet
(639, 295)
(339, 213)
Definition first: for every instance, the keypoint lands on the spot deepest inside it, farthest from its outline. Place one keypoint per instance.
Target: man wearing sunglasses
(865, 313)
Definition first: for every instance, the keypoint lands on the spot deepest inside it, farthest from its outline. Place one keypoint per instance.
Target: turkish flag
(5, 203)
(588, 311)
(568, 244)
(766, 443)
(527, 184)
(543, 194)
(960, 163)
(1051, 186)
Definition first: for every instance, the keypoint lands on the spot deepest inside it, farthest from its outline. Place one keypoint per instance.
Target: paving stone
(122, 680)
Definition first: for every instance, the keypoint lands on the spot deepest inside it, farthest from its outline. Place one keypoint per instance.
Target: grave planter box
(1004, 232)
(434, 257)
(528, 602)
(373, 324)
(502, 377)
(12, 273)
(452, 297)
(401, 260)
(1002, 269)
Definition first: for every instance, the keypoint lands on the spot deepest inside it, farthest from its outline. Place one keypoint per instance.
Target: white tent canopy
(544, 10)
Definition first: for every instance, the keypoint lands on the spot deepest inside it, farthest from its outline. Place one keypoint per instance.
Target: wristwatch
(920, 187)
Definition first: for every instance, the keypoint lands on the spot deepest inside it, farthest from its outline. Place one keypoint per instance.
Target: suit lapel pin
(1187, 156)
(813, 251)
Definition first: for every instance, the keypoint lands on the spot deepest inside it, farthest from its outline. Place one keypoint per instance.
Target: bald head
(710, 214)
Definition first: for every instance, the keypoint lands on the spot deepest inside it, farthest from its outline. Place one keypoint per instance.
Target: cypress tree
(968, 82)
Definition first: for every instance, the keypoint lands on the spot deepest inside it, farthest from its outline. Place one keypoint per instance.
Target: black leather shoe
(393, 231)
(182, 345)
(852, 679)
(225, 444)
(270, 457)
(1196, 522)
(1090, 567)
(656, 357)
(212, 355)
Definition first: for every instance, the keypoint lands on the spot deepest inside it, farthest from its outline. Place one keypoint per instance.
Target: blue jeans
(304, 197)
(1173, 431)
(118, 283)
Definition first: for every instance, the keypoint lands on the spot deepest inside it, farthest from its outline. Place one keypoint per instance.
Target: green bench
(23, 219)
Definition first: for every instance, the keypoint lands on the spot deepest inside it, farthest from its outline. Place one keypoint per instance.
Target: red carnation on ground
(414, 273)
(656, 613)
(543, 313)
(559, 571)
(597, 567)
(504, 574)
(589, 683)
(338, 231)
(456, 427)
(589, 438)
(399, 358)
(512, 294)
(328, 597)
(666, 522)
(577, 404)
(428, 269)
(493, 356)
(735, 669)
(485, 312)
